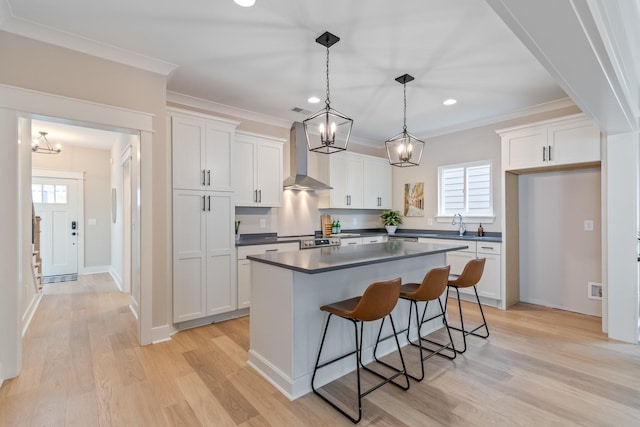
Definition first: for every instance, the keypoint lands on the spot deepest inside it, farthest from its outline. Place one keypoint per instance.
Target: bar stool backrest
(378, 300)
(433, 284)
(471, 274)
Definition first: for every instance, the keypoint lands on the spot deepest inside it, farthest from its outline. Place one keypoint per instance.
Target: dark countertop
(270, 238)
(320, 260)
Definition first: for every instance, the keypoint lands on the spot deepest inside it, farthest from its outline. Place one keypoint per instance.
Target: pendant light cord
(404, 129)
(327, 102)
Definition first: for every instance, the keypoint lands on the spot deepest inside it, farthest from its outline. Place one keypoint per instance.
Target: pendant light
(404, 149)
(43, 146)
(328, 130)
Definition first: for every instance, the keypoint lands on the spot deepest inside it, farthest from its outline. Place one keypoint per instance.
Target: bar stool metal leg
(462, 328)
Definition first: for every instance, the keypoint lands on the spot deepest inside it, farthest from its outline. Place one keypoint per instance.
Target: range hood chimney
(299, 180)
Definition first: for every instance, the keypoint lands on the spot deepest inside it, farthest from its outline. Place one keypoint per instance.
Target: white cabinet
(558, 142)
(377, 183)
(351, 241)
(203, 254)
(244, 267)
(373, 239)
(257, 173)
(489, 284)
(358, 181)
(201, 151)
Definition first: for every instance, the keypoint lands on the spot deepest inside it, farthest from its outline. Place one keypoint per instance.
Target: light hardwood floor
(82, 367)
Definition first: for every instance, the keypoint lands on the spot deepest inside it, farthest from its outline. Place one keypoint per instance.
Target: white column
(10, 285)
(622, 197)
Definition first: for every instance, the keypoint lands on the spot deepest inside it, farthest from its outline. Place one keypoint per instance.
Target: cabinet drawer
(351, 241)
(373, 239)
(471, 244)
(245, 251)
(488, 248)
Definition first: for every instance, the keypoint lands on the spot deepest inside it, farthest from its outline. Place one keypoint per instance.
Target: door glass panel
(36, 193)
(48, 193)
(61, 194)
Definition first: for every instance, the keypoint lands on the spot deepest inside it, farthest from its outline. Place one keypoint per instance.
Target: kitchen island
(288, 288)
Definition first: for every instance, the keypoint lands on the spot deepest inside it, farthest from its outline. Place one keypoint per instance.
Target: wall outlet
(594, 290)
(263, 223)
(588, 225)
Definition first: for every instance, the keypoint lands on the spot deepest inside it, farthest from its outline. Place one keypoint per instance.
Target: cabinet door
(355, 183)
(489, 284)
(244, 173)
(244, 283)
(221, 283)
(526, 149)
(574, 143)
(218, 158)
(269, 174)
(189, 255)
(187, 142)
(377, 184)
(338, 180)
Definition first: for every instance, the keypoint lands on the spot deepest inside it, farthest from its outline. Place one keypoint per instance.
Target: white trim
(525, 112)
(35, 102)
(184, 113)
(132, 307)
(162, 333)
(192, 101)
(474, 219)
(94, 269)
(50, 35)
(116, 278)
(241, 133)
(31, 310)
(57, 174)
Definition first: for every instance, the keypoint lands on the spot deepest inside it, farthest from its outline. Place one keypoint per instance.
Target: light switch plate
(588, 225)
(92, 221)
(263, 223)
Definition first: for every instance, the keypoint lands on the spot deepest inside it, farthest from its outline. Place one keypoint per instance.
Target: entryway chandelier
(42, 145)
(327, 130)
(404, 149)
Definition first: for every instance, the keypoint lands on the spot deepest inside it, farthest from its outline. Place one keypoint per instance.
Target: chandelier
(328, 130)
(42, 145)
(404, 149)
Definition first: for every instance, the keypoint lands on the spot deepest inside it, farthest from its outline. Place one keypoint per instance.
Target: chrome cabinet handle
(352, 243)
(260, 196)
(544, 154)
(209, 204)
(209, 177)
(255, 196)
(487, 247)
(549, 153)
(271, 250)
(203, 181)
(204, 203)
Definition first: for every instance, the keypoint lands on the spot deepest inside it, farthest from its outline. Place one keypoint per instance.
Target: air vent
(300, 110)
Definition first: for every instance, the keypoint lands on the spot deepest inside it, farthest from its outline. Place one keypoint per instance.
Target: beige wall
(481, 143)
(39, 66)
(95, 165)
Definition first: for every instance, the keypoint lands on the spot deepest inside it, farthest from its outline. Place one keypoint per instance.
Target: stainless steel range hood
(299, 180)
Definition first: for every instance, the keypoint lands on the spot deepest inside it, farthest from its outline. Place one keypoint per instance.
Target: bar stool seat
(377, 302)
(431, 288)
(470, 276)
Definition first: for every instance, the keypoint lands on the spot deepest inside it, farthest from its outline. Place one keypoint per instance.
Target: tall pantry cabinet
(203, 211)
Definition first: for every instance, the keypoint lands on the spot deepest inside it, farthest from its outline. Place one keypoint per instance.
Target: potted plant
(391, 220)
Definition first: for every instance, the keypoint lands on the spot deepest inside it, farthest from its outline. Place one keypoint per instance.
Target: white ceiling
(264, 59)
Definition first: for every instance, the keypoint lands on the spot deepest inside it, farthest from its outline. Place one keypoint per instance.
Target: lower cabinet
(489, 285)
(204, 282)
(244, 267)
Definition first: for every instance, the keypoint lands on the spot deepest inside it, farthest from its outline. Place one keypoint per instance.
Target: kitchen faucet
(463, 227)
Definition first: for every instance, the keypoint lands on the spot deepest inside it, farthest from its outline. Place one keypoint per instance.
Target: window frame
(484, 217)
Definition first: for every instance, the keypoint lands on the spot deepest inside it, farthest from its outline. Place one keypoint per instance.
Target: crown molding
(525, 112)
(215, 107)
(43, 33)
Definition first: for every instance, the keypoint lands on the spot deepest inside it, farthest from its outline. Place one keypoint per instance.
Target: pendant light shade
(43, 146)
(404, 149)
(328, 130)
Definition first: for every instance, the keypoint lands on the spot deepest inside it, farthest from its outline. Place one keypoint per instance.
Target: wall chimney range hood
(299, 180)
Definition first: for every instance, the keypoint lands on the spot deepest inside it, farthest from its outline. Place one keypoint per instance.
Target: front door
(56, 202)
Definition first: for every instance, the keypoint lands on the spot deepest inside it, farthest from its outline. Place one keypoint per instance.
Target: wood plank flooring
(82, 367)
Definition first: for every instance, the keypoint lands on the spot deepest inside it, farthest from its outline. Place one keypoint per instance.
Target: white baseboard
(162, 333)
(95, 269)
(133, 307)
(116, 278)
(31, 310)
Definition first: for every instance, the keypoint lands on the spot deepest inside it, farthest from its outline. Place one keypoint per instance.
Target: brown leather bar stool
(431, 289)
(470, 276)
(377, 302)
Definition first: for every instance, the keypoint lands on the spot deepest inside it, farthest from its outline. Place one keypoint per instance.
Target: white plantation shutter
(465, 189)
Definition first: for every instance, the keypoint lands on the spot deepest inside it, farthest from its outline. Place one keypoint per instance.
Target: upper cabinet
(201, 151)
(257, 173)
(358, 181)
(564, 141)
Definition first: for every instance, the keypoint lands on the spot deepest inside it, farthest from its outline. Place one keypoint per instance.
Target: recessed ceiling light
(313, 100)
(245, 3)
(449, 101)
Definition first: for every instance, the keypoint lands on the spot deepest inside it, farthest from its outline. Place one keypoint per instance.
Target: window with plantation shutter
(465, 189)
